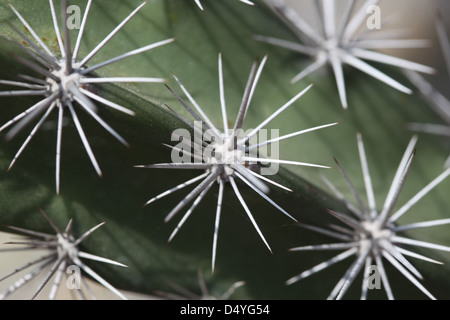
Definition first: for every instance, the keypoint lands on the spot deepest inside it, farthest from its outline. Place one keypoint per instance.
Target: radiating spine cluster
(63, 252)
(62, 82)
(224, 156)
(336, 43)
(205, 294)
(230, 156)
(372, 235)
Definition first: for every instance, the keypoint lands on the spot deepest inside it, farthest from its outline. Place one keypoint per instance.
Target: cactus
(135, 234)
